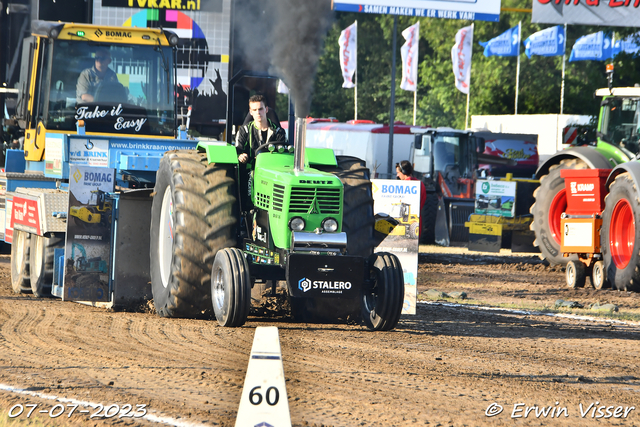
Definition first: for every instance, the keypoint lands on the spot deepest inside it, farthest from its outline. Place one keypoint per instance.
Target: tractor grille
(278, 197)
(262, 201)
(315, 200)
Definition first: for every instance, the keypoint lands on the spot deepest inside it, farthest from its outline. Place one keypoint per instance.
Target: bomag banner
(397, 229)
(472, 10)
(618, 13)
(88, 246)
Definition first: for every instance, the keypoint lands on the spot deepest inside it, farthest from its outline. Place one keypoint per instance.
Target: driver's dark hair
(405, 167)
(258, 98)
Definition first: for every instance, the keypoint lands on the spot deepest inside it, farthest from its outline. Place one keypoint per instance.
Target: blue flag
(506, 44)
(630, 45)
(548, 42)
(592, 47)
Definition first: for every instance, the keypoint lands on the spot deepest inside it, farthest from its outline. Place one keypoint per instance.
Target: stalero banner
(618, 13)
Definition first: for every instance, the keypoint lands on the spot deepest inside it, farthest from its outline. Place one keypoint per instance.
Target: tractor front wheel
(230, 287)
(194, 214)
(20, 254)
(620, 232)
(382, 303)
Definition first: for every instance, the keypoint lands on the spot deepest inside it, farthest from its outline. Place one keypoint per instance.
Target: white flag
(348, 54)
(410, 58)
(282, 88)
(461, 57)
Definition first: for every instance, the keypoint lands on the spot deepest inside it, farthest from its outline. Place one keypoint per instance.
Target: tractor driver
(257, 132)
(404, 172)
(94, 76)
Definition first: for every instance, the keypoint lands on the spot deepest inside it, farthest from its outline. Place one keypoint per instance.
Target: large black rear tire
(41, 265)
(194, 215)
(382, 304)
(429, 213)
(550, 203)
(231, 287)
(620, 234)
(20, 259)
(357, 217)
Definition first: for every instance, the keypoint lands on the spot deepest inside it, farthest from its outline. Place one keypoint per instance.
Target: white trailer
(367, 141)
(548, 127)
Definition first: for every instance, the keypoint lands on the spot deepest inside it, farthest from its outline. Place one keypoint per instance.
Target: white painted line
(531, 313)
(264, 401)
(148, 417)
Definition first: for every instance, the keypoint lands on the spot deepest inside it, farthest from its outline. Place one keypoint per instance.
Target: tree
(492, 79)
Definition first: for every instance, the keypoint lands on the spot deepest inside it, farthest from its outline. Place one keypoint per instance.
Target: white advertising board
(472, 10)
(397, 199)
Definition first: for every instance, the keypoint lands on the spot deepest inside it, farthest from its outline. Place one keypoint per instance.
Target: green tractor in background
(309, 224)
(616, 144)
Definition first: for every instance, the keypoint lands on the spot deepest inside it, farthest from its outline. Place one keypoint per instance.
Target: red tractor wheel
(620, 234)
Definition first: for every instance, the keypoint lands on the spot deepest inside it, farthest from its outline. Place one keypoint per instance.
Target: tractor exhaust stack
(300, 141)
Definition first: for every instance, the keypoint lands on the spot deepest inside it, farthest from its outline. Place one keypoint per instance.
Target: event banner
(618, 13)
(472, 10)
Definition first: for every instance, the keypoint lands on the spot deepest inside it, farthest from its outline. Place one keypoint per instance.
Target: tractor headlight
(291, 148)
(280, 149)
(296, 224)
(271, 148)
(330, 225)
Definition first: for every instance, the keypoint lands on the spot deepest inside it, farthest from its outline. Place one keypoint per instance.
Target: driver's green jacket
(249, 138)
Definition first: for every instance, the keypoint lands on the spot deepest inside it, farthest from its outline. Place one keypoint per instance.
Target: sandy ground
(448, 365)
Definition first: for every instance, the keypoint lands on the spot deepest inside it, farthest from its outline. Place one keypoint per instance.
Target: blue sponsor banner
(472, 10)
(548, 42)
(506, 44)
(592, 47)
(629, 45)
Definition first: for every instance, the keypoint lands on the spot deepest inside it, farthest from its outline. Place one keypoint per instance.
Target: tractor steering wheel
(262, 147)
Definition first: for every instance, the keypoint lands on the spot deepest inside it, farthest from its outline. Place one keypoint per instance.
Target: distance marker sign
(472, 10)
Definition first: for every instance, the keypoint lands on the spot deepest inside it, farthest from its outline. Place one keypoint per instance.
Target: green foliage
(493, 80)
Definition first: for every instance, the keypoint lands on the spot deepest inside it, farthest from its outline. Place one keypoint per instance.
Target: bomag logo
(118, 34)
(98, 33)
(77, 175)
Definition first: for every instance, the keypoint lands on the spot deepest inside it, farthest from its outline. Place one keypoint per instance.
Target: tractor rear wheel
(230, 287)
(20, 254)
(194, 214)
(41, 265)
(382, 303)
(550, 203)
(430, 212)
(620, 234)
(357, 211)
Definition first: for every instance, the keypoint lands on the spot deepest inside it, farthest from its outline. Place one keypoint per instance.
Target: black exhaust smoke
(287, 35)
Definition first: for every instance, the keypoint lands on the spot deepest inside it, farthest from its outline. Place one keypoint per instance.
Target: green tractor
(309, 224)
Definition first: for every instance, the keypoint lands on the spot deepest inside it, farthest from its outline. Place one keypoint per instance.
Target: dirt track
(445, 366)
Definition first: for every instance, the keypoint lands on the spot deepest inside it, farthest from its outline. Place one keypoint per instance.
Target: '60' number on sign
(272, 396)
